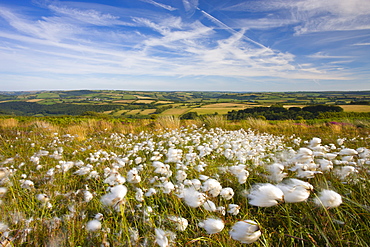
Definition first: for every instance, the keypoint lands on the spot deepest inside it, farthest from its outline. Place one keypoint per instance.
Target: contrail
(188, 6)
(164, 6)
(223, 25)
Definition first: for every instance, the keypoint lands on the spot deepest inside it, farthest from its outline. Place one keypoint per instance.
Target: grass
(356, 108)
(116, 145)
(175, 111)
(221, 111)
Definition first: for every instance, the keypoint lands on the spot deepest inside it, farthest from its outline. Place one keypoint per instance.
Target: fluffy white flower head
(295, 190)
(265, 195)
(115, 197)
(212, 225)
(233, 209)
(194, 198)
(227, 193)
(93, 225)
(161, 238)
(328, 199)
(246, 231)
(212, 186)
(180, 222)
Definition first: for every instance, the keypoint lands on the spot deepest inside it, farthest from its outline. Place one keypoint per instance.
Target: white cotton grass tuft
(3, 227)
(315, 142)
(88, 196)
(180, 222)
(4, 172)
(27, 184)
(240, 173)
(139, 195)
(181, 175)
(210, 206)
(168, 187)
(115, 197)
(114, 178)
(162, 168)
(133, 176)
(44, 200)
(295, 190)
(233, 209)
(277, 173)
(3, 191)
(246, 231)
(161, 238)
(194, 198)
(344, 171)
(212, 187)
(150, 192)
(227, 193)
(347, 152)
(265, 195)
(212, 225)
(95, 224)
(194, 183)
(328, 199)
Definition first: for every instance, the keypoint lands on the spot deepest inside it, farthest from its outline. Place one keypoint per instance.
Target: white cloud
(88, 16)
(86, 41)
(362, 44)
(325, 55)
(310, 15)
(164, 6)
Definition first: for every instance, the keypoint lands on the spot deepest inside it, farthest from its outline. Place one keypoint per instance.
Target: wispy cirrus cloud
(325, 55)
(88, 16)
(90, 39)
(361, 44)
(310, 15)
(164, 6)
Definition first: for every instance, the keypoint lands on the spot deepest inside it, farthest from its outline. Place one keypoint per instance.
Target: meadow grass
(356, 108)
(175, 111)
(50, 155)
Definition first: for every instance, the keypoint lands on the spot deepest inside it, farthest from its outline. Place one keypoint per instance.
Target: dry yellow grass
(175, 111)
(44, 127)
(226, 105)
(167, 122)
(148, 111)
(164, 102)
(124, 101)
(133, 112)
(8, 123)
(78, 131)
(119, 113)
(356, 108)
(34, 100)
(145, 101)
(142, 97)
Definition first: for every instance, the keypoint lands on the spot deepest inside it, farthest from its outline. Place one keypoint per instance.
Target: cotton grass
(183, 185)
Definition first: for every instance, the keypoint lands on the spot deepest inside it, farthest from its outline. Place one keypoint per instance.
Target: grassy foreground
(55, 178)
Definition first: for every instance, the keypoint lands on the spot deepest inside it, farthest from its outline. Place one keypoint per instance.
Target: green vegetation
(153, 104)
(56, 174)
(278, 112)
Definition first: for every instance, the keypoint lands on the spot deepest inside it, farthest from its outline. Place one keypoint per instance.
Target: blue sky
(213, 45)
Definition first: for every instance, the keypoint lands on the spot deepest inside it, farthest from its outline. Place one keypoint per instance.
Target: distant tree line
(277, 112)
(31, 108)
(21, 108)
(360, 102)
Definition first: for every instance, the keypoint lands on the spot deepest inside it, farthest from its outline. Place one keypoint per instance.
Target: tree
(189, 115)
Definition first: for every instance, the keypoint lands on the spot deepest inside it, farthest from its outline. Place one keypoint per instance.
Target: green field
(115, 102)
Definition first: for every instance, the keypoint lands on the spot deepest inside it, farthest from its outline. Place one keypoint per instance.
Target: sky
(185, 45)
